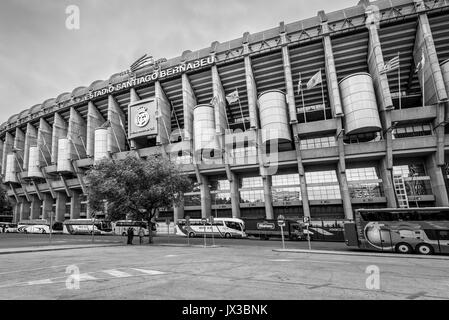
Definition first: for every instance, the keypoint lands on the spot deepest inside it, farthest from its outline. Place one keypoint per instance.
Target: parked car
(11, 228)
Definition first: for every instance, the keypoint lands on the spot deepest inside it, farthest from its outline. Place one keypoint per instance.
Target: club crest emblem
(142, 117)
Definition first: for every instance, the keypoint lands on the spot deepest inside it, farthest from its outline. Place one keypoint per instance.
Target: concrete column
(387, 183)
(437, 181)
(164, 117)
(47, 205)
(7, 149)
(35, 207)
(220, 106)
(302, 176)
(75, 205)
(59, 132)
(44, 140)
(344, 189)
(19, 145)
(116, 136)
(206, 203)
(61, 199)
(288, 75)
(94, 120)
(30, 140)
(268, 197)
(331, 74)
(25, 207)
(178, 212)
(376, 64)
(133, 97)
(88, 212)
(16, 212)
(189, 102)
(235, 196)
(250, 84)
(77, 133)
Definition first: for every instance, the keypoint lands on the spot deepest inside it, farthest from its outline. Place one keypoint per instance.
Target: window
(251, 196)
(321, 176)
(286, 194)
(324, 192)
(358, 174)
(251, 182)
(285, 179)
(412, 131)
(408, 170)
(319, 142)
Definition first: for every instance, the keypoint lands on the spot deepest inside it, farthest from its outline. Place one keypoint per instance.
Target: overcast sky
(40, 58)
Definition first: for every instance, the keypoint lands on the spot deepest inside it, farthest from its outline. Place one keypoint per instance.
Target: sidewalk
(363, 253)
(54, 248)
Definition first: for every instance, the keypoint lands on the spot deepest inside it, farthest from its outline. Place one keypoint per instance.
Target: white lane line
(27, 270)
(117, 273)
(84, 277)
(36, 282)
(170, 255)
(151, 272)
(280, 260)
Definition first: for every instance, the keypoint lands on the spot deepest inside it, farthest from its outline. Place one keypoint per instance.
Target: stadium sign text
(155, 75)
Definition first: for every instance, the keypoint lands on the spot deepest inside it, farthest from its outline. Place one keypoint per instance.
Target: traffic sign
(281, 221)
(306, 219)
(203, 220)
(167, 221)
(211, 220)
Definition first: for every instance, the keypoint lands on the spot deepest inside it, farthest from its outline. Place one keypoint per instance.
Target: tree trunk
(150, 231)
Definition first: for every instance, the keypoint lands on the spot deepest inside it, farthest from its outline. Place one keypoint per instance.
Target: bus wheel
(191, 234)
(424, 248)
(227, 235)
(403, 248)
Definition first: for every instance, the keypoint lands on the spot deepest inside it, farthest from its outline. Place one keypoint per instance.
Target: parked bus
(121, 227)
(319, 230)
(420, 230)
(38, 226)
(222, 227)
(87, 226)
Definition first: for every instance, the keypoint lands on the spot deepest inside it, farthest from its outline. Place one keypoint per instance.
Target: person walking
(141, 235)
(4, 228)
(130, 235)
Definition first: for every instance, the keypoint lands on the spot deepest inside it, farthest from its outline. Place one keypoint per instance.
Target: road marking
(44, 281)
(117, 273)
(26, 270)
(171, 255)
(84, 277)
(280, 260)
(150, 272)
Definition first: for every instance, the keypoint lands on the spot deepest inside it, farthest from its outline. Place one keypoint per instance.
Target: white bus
(87, 226)
(38, 226)
(222, 227)
(121, 227)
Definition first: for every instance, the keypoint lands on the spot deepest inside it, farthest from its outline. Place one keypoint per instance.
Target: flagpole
(399, 77)
(423, 83)
(322, 95)
(303, 105)
(241, 111)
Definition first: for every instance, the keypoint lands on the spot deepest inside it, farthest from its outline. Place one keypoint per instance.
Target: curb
(367, 254)
(39, 249)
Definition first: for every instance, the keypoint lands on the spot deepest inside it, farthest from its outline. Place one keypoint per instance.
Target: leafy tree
(5, 204)
(135, 187)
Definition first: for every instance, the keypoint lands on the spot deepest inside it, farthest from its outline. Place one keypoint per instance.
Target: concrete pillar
(44, 140)
(35, 207)
(77, 133)
(7, 148)
(178, 212)
(206, 203)
(331, 74)
(437, 181)
(94, 120)
(116, 136)
(376, 64)
(302, 176)
(164, 117)
(19, 145)
(88, 212)
(75, 205)
(30, 140)
(268, 197)
(344, 190)
(250, 84)
(16, 212)
(47, 205)
(189, 102)
(59, 132)
(235, 196)
(25, 207)
(220, 105)
(387, 183)
(61, 199)
(288, 75)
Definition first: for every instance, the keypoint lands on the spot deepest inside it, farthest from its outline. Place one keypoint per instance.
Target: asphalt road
(16, 240)
(224, 272)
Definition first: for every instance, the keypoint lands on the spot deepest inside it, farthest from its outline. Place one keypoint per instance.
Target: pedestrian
(130, 235)
(4, 228)
(141, 235)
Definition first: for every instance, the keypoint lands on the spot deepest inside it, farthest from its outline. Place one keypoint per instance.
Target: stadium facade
(316, 118)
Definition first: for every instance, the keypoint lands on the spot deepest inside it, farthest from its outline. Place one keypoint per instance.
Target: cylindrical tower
(11, 168)
(101, 144)
(359, 104)
(34, 163)
(273, 116)
(204, 138)
(65, 155)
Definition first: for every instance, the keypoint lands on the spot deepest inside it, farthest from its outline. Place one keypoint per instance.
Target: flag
(233, 96)
(421, 63)
(315, 80)
(214, 100)
(299, 83)
(391, 65)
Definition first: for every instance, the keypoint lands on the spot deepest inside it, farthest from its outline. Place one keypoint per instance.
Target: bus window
(233, 225)
(444, 234)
